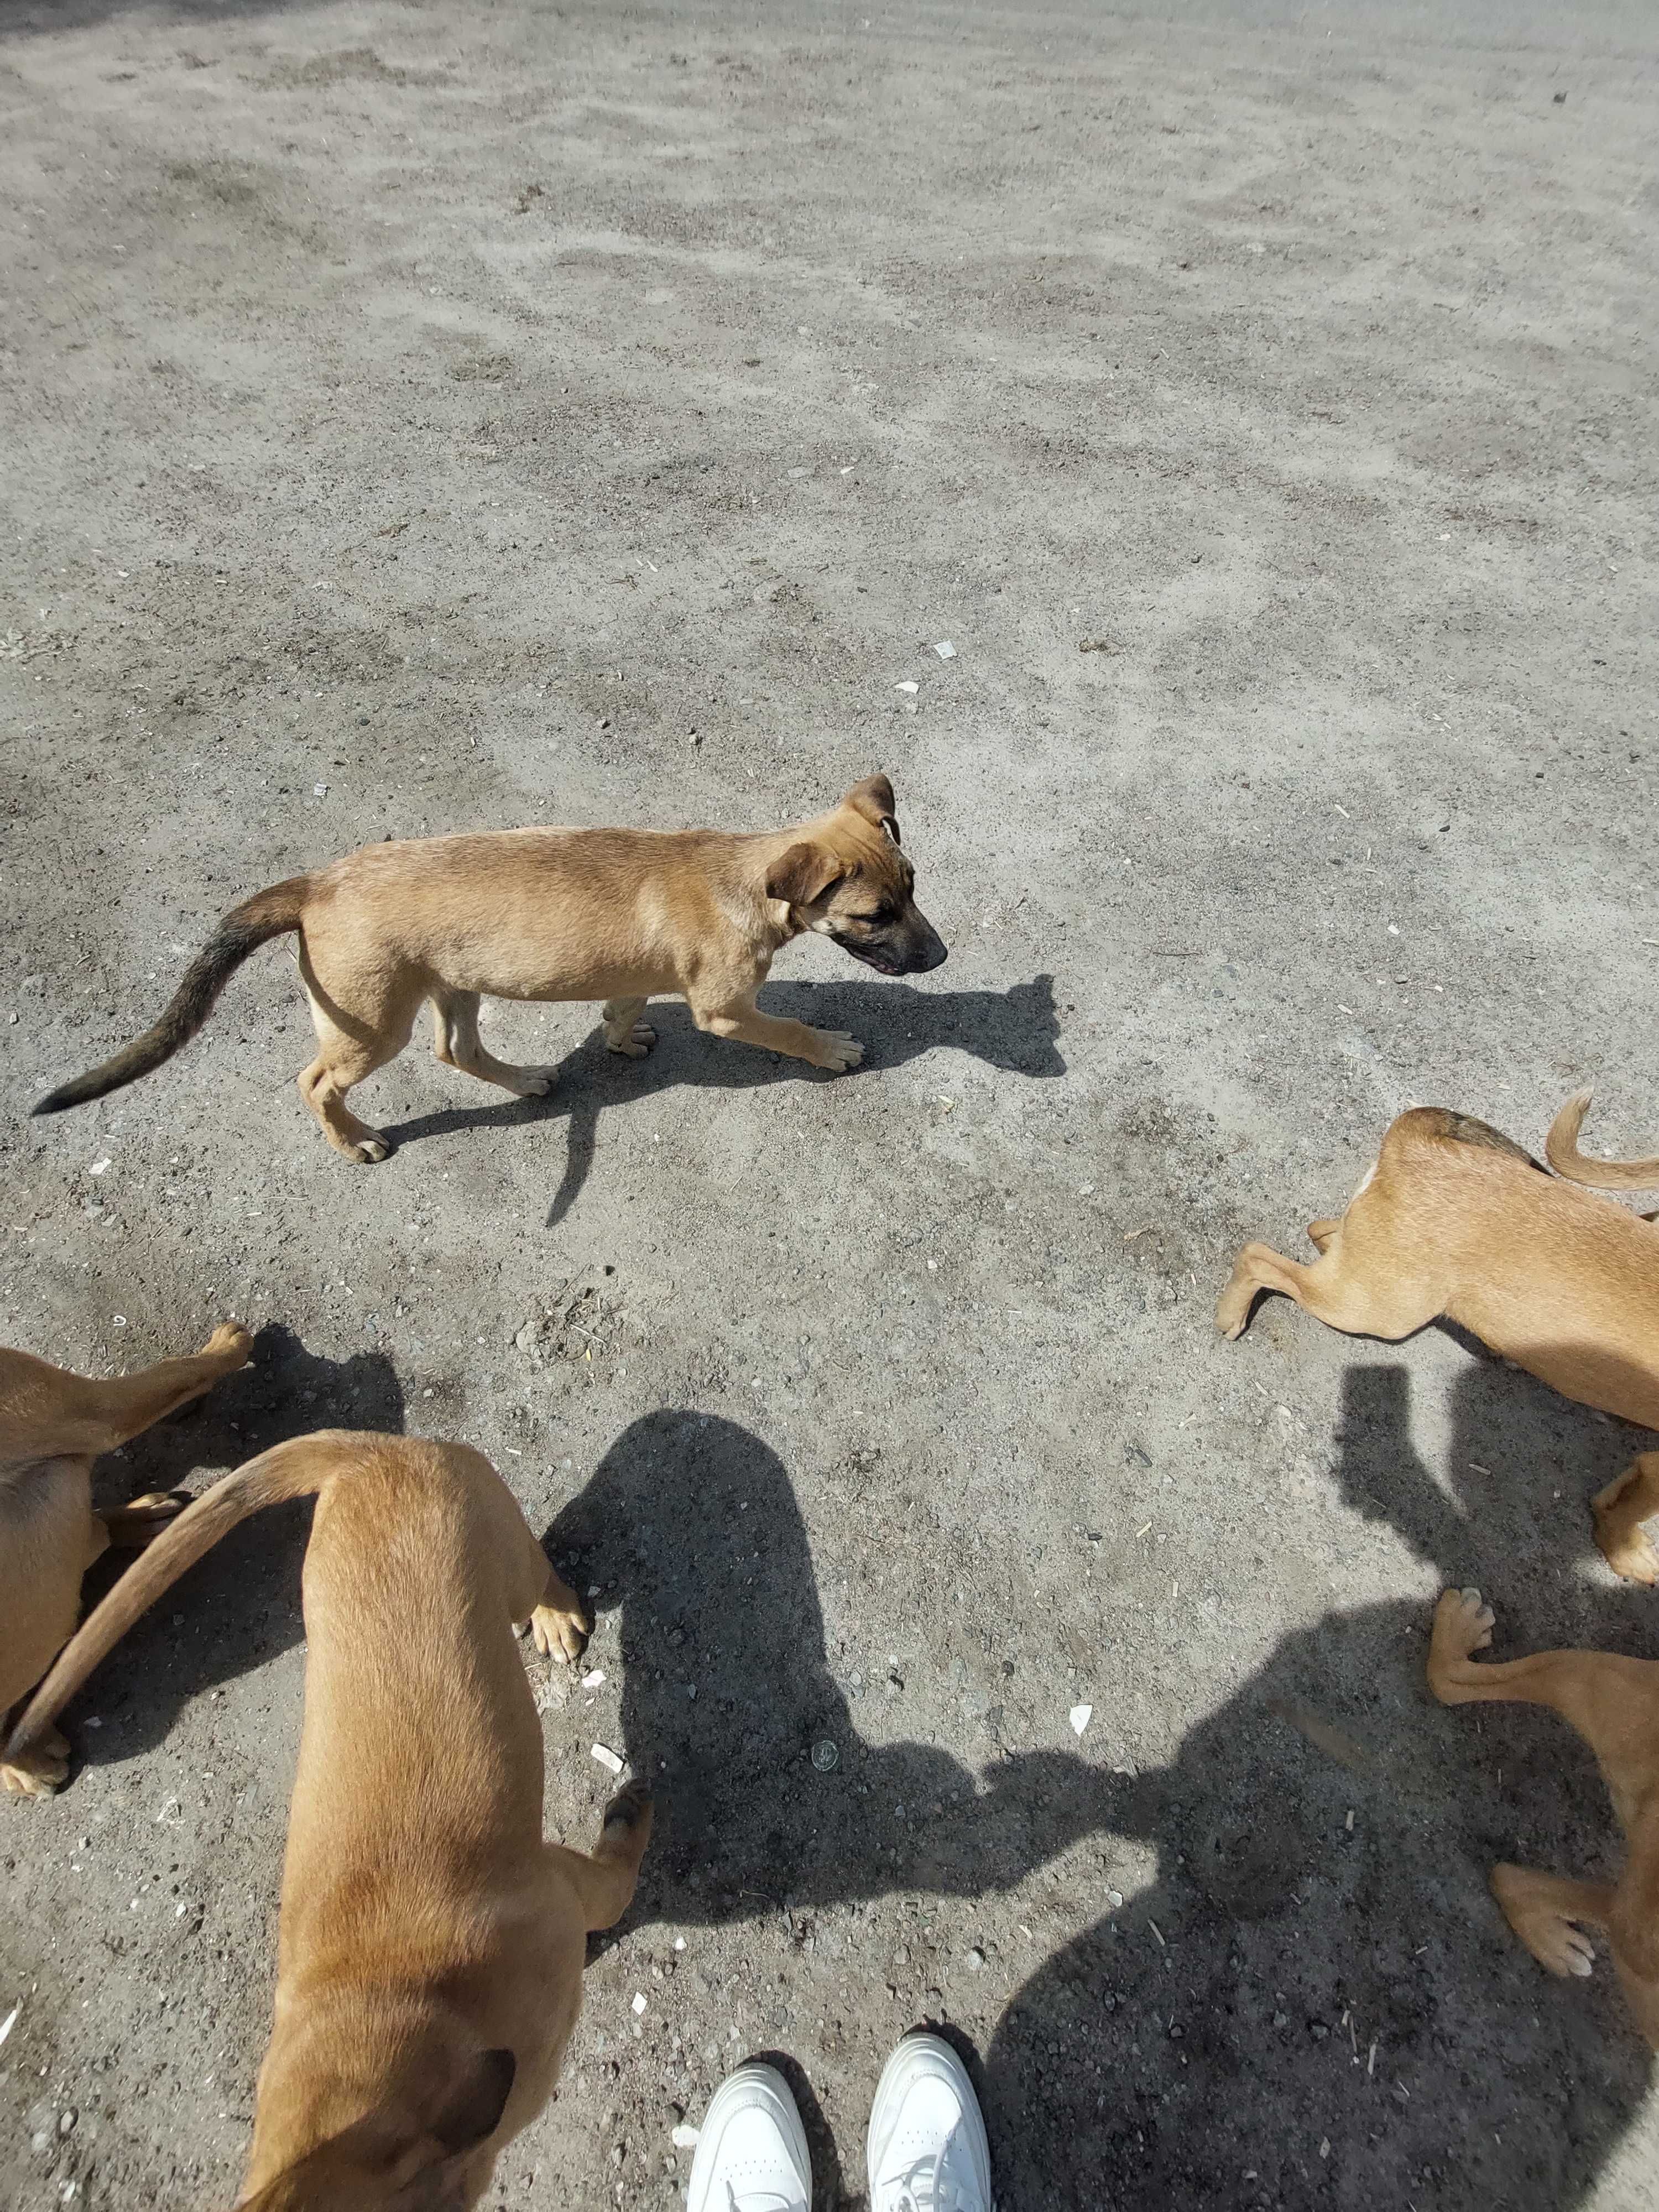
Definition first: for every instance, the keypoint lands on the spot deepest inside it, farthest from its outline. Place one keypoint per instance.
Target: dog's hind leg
(1612, 1701)
(93, 1416)
(1338, 1289)
(456, 1041)
(624, 1032)
(361, 1025)
(603, 1879)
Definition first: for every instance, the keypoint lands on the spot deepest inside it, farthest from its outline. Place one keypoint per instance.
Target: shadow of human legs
(690, 1526)
(1228, 2057)
(1232, 2061)
(241, 1604)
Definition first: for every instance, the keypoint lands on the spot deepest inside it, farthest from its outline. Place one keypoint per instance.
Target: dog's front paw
(559, 1635)
(41, 1771)
(837, 1051)
(1627, 1521)
(141, 1520)
(1464, 1623)
(631, 1805)
(1540, 1924)
(635, 1045)
(230, 1342)
(367, 1152)
(531, 1082)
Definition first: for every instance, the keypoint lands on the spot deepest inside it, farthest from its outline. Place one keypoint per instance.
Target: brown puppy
(615, 914)
(430, 1948)
(52, 1425)
(1455, 1219)
(1614, 1705)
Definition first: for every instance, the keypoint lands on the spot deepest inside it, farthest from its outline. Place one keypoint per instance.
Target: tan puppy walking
(1455, 1219)
(1614, 1704)
(431, 1945)
(52, 1425)
(621, 915)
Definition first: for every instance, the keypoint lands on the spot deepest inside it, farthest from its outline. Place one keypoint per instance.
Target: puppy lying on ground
(615, 914)
(1455, 1219)
(430, 1948)
(52, 1427)
(1614, 1705)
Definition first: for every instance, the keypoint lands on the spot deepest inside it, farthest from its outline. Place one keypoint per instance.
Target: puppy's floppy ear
(473, 2106)
(400, 2164)
(873, 800)
(802, 873)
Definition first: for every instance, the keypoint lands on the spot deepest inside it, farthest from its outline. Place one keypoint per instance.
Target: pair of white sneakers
(927, 2150)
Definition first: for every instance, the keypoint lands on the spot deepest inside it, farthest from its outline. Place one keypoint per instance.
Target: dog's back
(419, 1731)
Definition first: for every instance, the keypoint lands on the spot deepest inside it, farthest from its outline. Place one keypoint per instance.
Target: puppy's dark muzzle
(929, 954)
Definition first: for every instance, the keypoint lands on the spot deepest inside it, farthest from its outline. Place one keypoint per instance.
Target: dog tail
(243, 929)
(1561, 1150)
(296, 1469)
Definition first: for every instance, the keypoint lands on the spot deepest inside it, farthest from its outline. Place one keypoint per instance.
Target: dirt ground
(420, 418)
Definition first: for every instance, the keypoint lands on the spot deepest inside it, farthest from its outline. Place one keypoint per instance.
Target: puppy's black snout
(931, 952)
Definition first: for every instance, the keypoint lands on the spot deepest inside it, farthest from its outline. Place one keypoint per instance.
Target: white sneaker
(927, 2151)
(751, 2155)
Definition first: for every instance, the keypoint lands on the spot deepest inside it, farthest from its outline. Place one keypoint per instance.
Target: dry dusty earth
(424, 416)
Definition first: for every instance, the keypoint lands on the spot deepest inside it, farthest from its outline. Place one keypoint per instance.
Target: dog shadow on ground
(1338, 2014)
(240, 1604)
(1015, 1031)
(689, 1525)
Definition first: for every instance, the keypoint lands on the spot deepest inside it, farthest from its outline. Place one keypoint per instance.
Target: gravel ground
(424, 417)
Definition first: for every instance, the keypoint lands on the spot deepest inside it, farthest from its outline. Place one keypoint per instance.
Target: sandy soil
(421, 417)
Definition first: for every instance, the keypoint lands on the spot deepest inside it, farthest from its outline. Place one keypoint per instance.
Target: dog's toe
(369, 1150)
(558, 1635)
(631, 1805)
(838, 1050)
(46, 1769)
(142, 1519)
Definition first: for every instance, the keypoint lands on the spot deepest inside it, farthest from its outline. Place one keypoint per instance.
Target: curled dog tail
(296, 1469)
(1561, 1150)
(243, 929)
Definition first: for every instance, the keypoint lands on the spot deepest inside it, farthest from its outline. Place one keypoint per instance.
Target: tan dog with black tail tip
(1455, 1218)
(621, 915)
(52, 1425)
(431, 1945)
(1613, 1702)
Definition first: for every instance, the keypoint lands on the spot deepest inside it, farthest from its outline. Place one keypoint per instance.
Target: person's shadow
(1014, 1031)
(240, 1606)
(690, 1525)
(1332, 2010)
